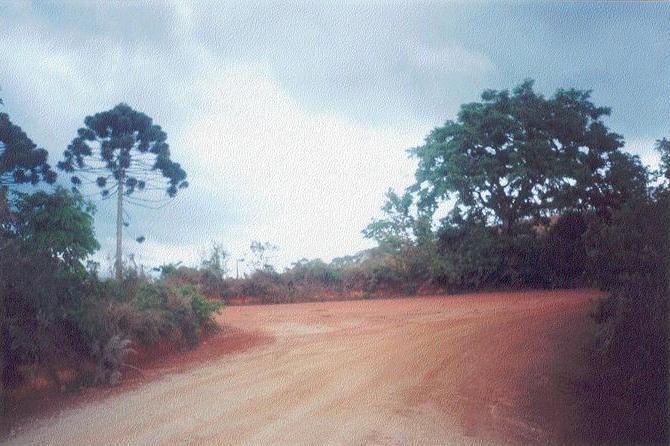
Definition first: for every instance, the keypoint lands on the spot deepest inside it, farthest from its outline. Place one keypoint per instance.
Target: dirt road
(497, 368)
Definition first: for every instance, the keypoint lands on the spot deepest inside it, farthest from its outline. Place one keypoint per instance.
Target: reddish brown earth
(41, 398)
(491, 368)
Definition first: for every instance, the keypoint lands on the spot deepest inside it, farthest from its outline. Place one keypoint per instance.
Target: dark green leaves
(58, 226)
(20, 159)
(663, 147)
(518, 155)
(126, 143)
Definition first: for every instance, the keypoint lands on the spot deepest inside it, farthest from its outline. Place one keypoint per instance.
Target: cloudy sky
(293, 119)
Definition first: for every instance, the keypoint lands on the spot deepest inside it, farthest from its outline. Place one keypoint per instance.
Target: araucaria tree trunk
(119, 229)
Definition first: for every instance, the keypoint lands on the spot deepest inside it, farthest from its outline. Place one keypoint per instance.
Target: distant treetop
(21, 161)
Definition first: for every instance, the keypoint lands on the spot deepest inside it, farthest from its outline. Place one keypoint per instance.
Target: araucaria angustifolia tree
(123, 152)
(21, 161)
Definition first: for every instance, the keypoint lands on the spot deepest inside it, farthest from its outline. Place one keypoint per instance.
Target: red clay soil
(489, 368)
(41, 398)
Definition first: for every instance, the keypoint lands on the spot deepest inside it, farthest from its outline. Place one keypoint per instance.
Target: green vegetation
(58, 317)
(20, 159)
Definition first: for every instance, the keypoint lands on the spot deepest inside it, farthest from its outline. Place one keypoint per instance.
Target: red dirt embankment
(42, 398)
(490, 368)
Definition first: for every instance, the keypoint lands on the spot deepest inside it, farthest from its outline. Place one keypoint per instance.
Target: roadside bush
(109, 359)
(476, 257)
(377, 272)
(146, 313)
(629, 258)
(263, 284)
(160, 312)
(44, 239)
(58, 314)
(313, 273)
(203, 309)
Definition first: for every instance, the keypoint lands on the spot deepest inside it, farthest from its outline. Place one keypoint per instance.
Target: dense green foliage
(45, 239)
(631, 260)
(58, 314)
(20, 159)
(521, 155)
(129, 148)
(663, 147)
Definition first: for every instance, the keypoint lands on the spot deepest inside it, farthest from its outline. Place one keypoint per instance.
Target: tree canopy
(21, 161)
(262, 255)
(402, 223)
(56, 226)
(122, 145)
(663, 147)
(518, 155)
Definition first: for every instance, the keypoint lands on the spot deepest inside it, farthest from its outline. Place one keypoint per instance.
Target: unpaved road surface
(498, 368)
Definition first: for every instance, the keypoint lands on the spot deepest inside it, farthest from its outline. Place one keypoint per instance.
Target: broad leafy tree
(123, 152)
(401, 225)
(396, 228)
(43, 278)
(405, 236)
(519, 155)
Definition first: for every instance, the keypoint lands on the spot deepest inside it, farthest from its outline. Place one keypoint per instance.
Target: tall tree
(400, 226)
(404, 235)
(518, 155)
(122, 152)
(215, 261)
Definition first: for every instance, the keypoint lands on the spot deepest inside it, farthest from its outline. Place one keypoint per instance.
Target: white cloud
(306, 182)
(260, 166)
(645, 148)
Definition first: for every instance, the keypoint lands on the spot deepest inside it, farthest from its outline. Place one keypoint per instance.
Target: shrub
(162, 311)
(110, 358)
(475, 257)
(629, 257)
(203, 309)
(564, 250)
(44, 239)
